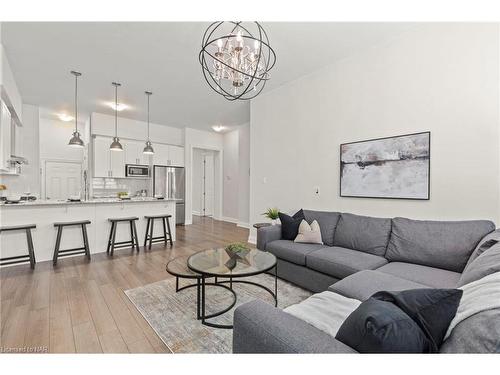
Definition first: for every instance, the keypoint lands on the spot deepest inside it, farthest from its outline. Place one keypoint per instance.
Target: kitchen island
(45, 213)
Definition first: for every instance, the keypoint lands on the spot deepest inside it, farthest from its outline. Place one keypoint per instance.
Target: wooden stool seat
(69, 223)
(30, 257)
(75, 251)
(118, 219)
(112, 244)
(149, 239)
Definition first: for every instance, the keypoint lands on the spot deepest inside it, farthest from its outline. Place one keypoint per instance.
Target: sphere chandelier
(236, 58)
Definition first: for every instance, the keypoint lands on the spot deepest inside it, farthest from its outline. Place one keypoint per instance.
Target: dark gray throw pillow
(290, 224)
(411, 321)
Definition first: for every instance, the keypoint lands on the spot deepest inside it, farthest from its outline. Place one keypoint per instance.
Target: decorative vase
(273, 222)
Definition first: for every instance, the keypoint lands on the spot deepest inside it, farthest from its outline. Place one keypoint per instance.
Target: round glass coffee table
(223, 264)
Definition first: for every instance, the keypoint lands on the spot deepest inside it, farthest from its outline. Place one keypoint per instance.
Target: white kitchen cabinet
(134, 154)
(102, 161)
(5, 135)
(160, 156)
(117, 161)
(176, 156)
(168, 155)
(107, 163)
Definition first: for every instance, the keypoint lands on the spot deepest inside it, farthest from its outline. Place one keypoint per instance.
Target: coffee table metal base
(231, 281)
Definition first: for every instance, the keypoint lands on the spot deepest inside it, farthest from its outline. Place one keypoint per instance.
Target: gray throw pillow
(485, 264)
(484, 245)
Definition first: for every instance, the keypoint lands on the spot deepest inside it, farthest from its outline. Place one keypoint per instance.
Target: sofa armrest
(262, 328)
(268, 234)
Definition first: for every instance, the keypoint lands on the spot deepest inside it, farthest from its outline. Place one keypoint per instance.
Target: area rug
(173, 315)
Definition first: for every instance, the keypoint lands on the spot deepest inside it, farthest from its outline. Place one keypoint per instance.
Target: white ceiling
(163, 58)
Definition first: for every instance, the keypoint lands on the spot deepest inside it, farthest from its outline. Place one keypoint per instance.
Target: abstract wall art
(392, 167)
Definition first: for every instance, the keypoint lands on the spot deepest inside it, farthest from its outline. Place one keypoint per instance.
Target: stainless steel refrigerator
(170, 183)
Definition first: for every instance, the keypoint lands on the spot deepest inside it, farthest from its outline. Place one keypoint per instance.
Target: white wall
(231, 176)
(197, 181)
(193, 139)
(244, 176)
(438, 77)
(29, 180)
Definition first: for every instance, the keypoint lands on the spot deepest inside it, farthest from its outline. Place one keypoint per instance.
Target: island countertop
(52, 202)
(45, 213)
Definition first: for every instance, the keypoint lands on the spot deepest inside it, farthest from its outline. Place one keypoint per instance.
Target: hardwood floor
(80, 306)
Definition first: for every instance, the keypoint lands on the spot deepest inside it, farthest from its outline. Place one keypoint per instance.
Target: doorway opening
(204, 182)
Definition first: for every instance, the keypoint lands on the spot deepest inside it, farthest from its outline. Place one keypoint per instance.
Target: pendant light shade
(116, 145)
(148, 150)
(75, 140)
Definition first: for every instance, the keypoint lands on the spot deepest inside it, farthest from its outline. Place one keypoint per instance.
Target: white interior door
(208, 188)
(62, 179)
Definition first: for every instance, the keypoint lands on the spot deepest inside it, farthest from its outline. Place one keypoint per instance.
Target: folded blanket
(478, 296)
(325, 311)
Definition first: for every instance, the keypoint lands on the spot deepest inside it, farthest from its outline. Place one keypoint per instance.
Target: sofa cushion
(363, 233)
(483, 245)
(363, 284)
(294, 252)
(442, 244)
(341, 262)
(485, 264)
(430, 276)
(327, 222)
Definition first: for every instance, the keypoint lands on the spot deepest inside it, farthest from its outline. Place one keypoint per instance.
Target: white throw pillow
(309, 233)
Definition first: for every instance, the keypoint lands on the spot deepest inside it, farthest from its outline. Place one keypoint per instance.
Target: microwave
(134, 170)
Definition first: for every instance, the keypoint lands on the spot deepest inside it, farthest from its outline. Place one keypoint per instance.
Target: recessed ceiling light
(65, 117)
(119, 107)
(218, 128)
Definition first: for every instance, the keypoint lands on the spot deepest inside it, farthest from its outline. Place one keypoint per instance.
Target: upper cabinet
(134, 153)
(5, 135)
(168, 155)
(107, 163)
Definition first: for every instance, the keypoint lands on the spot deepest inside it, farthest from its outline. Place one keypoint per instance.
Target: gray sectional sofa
(360, 256)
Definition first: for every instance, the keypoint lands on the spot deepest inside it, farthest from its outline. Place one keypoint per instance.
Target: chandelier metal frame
(255, 82)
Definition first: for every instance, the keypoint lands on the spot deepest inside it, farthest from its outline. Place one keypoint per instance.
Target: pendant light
(116, 145)
(75, 140)
(148, 150)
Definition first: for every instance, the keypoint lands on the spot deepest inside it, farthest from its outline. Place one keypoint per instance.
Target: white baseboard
(188, 222)
(252, 239)
(243, 225)
(196, 213)
(229, 219)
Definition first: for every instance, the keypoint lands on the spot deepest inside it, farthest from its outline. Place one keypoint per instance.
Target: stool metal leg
(31, 252)
(147, 231)
(169, 232)
(132, 238)
(151, 229)
(113, 236)
(85, 241)
(134, 227)
(58, 244)
(110, 237)
(163, 221)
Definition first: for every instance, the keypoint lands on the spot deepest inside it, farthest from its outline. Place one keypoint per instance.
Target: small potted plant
(272, 214)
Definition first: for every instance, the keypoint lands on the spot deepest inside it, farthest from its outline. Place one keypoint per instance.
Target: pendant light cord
(116, 110)
(148, 116)
(76, 103)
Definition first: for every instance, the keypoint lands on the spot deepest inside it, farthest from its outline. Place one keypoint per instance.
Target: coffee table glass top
(219, 262)
(178, 267)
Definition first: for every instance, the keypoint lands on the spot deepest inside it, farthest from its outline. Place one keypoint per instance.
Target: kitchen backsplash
(109, 187)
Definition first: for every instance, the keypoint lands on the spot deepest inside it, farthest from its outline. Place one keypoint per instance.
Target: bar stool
(30, 257)
(134, 242)
(78, 250)
(167, 234)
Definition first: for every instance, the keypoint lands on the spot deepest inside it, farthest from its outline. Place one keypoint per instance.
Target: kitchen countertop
(41, 202)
